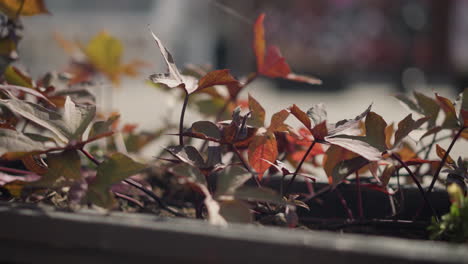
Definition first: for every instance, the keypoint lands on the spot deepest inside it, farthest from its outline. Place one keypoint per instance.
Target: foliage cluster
(56, 148)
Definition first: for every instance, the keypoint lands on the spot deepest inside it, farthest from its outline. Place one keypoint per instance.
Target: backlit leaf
(357, 145)
(346, 167)
(447, 106)
(428, 106)
(333, 156)
(277, 121)
(258, 113)
(301, 116)
(259, 41)
(375, 131)
(342, 125)
(217, 77)
(28, 8)
(263, 148)
(407, 125)
(442, 152)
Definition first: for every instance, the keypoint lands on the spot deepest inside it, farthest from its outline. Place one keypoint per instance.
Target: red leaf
(274, 64)
(263, 148)
(320, 131)
(316, 150)
(277, 121)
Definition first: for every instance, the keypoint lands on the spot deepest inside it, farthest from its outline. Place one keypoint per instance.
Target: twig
(6, 169)
(20, 9)
(299, 167)
(444, 159)
(182, 115)
(244, 163)
(359, 196)
(140, 187)
(130, 199)
(345, 204)
(421, 190)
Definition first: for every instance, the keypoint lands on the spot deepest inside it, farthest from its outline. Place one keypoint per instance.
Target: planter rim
(146, 235)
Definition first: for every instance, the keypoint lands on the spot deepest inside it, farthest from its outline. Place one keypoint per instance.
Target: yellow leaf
(104, 53)
(8, 48)
(15, 76)
(28, 8)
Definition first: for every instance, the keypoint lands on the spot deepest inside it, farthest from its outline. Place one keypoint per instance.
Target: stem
(430, 146)
(444, 159)
(130, 199)
(182, 115)
(421, 190)
(345, 204)
(299, 166)
(18, 12)
(139, 187)
(359, 196)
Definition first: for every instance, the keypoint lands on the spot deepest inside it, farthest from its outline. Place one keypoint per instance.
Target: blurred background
(363, 50)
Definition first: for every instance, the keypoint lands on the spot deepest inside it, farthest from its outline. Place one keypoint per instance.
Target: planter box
(31, 234)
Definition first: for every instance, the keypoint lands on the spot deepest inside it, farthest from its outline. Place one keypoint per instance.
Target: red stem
(299, 166)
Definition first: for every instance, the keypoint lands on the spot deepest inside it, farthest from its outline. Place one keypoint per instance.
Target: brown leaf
(301, 116)
(407, 125)
(441, 153)
(28, 8)
(258, 113)
(447, 106)
(263, 148)
(320, 131)
(333, 156)
(277, 122)
(375, 131)
(217, 77)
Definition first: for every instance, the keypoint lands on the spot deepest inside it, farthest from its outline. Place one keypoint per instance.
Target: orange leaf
(301, 116)
(333, 156)
(275, 64)
(441, 153)
(277, 121)
(28, 8)
(217, 77)
(259, 41)
(262, 151)
(258, 113)
(450, 120)
(316, 150)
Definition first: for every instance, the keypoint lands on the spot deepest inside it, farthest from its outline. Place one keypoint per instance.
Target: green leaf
(16, 144)
(66, 164)
(258, 113)
(189, 172)
(114, 169)
(16, 77)
(235, 211)
(258, 194)
(206, 128)
(230, 179)
(101, 127)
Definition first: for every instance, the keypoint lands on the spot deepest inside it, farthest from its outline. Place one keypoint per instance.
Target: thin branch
(130, 199)
(359, 196)
(299, 167)
(182, 115)
(444, 159)
(90, 157)
(421, 190)
(11, 170)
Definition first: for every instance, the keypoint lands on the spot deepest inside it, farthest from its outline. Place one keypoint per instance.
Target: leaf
(375, 131)
(187, 154)
(14, 144)
(101, 127)
(408, 102)
(33, 165)
(301, 116)
(429, 107)
(258, 194)
(68, 126)
(388, 136)
(259, 41)
(277, 122)
(387, 174)
(270, 62)
(357, 145)
(114, 169)
(346, 167)
(263, 148)
(431, 131)
(189, 172)
(447, 106)
(217, 77)
(464, 108)
(442, 152)
(347, 123)
(318, 113)
(173, 78)
(235, 211)
(407, 125)
(26, 90)
(320, 131)
(258, 113)
(230, 179)
(15, 76)
(105, 53)
(28, 8)
(333, 156)
(206, 129)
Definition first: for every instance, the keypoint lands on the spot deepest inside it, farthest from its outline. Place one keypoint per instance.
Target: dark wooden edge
(31, 234)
